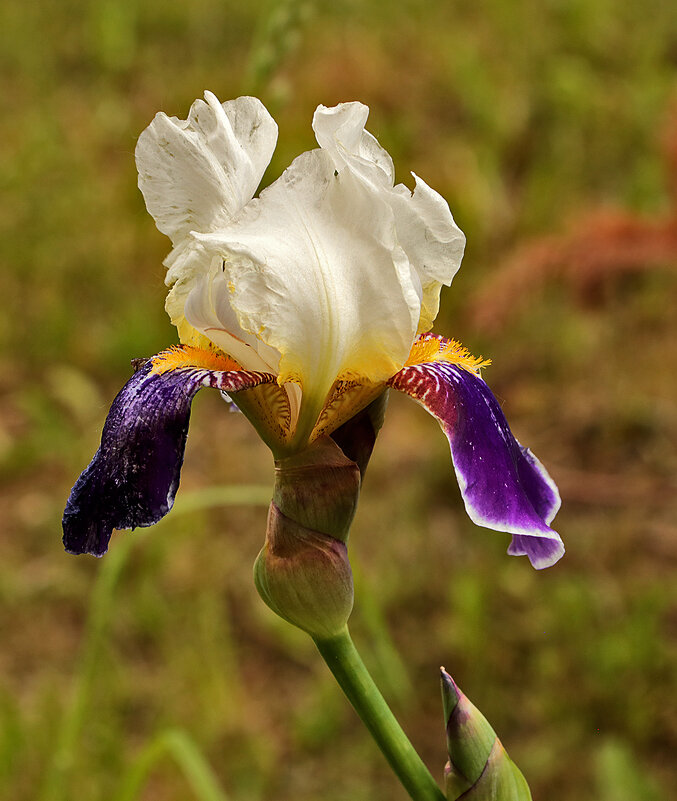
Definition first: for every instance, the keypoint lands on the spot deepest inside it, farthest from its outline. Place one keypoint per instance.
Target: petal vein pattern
(134, 475)
(503, 485)
(346, 399)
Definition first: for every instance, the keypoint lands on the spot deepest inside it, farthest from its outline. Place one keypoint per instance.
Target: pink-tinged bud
(479, 769)
(302, 572)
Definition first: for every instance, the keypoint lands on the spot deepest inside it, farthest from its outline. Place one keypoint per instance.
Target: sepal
(357, 436)
(503, 485)
(134, 475)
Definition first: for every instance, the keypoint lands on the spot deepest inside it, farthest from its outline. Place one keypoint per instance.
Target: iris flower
(302, 306)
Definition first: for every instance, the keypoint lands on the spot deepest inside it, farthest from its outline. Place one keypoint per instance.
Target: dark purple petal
(133, 477)
(504, 486)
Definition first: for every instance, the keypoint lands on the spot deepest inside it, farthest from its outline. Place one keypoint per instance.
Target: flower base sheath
(302, 571)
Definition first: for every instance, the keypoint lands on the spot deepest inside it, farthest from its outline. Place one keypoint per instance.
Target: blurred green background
(157, 673)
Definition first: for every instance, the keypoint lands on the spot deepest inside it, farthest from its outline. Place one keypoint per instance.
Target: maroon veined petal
(504, 486)
(134, 475)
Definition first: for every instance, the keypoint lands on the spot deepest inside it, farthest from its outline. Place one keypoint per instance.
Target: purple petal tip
(542, 551)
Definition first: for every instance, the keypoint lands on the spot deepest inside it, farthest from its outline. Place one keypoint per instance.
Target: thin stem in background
(278, 34)
(393, 674)
(182, 749)
(53, 787)
(55, 780)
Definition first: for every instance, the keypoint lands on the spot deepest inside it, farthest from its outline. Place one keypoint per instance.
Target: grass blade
(178, 745)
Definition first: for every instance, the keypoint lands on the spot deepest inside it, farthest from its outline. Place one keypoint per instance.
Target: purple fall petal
(134, 475)
(504, 486)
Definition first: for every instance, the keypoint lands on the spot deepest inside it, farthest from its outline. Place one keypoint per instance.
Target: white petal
(340, 131)
(207, 308)
(188, 261)
(315, 271)
(201, 311)
(195, 174)
(425, 227)
(430, 238)
(427, 231)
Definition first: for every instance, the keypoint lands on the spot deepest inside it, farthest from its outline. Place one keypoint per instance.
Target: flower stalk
(349, 670)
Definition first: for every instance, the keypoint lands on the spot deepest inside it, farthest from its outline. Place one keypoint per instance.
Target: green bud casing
(479, 769)
(302, 572)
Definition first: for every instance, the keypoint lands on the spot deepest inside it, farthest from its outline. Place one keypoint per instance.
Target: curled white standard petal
(315, 271)
(195, 174)
(207, 309)
(431, 239)
(340, 131)
(425, 228)
(201, 311)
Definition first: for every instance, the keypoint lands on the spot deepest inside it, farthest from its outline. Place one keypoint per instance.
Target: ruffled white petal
(315, 271)
(195, 174)
(340, 131)
(200, 309)
(430, 238)
(328, 276)
(425, 227)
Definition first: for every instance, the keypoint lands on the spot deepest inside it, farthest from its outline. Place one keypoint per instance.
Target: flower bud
(302, 572)
(479, 769)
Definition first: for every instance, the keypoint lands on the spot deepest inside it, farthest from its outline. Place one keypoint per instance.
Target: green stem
(353, 677)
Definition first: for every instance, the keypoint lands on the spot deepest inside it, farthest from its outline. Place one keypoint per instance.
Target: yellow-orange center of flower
(430, 348)
(186, 356)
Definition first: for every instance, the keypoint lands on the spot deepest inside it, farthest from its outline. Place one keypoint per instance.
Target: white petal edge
(340, 131)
